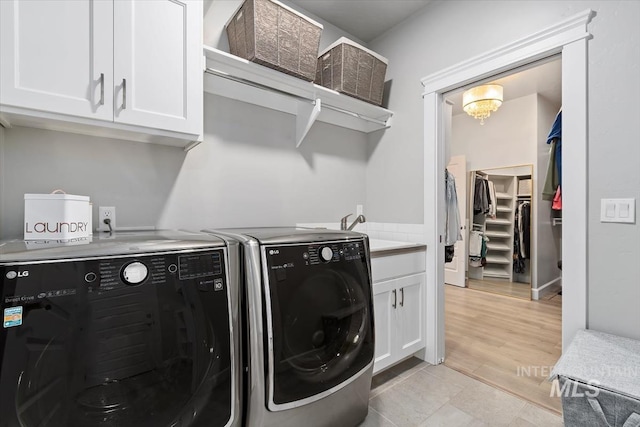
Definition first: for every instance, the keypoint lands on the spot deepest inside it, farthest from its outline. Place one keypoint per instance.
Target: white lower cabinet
(399, 319)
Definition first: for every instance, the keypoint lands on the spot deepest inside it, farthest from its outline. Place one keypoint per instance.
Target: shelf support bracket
(306, 117)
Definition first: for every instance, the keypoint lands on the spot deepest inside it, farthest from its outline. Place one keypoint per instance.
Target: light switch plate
(618, 210)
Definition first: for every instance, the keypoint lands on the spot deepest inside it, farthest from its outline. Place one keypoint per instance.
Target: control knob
(326, 254)
(135, 273)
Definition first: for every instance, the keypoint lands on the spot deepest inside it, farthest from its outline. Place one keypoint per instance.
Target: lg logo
(13, 274)
(274, 252)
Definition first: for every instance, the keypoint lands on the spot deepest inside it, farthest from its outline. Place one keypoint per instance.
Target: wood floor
(502, 287)
(506, 342)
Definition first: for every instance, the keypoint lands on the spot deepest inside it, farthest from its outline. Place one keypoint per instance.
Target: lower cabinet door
(399, 319)
(410, 314)
(384, 299)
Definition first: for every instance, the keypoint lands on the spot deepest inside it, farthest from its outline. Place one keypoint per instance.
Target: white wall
(439, 37)
(134, 177)
(247, 172)
(507, 138)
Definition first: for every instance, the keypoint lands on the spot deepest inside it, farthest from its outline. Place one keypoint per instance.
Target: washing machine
(137, 329)
(309, 342)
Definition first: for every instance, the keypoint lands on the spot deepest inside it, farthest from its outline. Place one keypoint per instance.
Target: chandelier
(480, 101)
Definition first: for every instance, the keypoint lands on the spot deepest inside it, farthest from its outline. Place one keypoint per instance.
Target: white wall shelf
(236, 78)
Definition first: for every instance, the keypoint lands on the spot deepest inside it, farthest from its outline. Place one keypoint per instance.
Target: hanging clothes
(493, 201)
(449, 252)
(521, 236)
(551, 181)
(525, 229)
(476, 239)
(475, 243)
(481, 196)
(477, 248)
(554, 168)
(557, 200)
(518, 262)
(452, 220)
(555, 134)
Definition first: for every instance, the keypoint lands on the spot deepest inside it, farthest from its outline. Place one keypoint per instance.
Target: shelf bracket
(306, 117)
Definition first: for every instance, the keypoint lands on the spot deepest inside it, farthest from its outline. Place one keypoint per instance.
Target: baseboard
(552, 286)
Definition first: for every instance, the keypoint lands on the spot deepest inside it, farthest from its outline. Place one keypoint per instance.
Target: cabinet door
(57, 56)
(384, 299)
(410, 327)
(158, 64)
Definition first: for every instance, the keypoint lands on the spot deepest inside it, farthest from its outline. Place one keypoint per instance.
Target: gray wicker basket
(352, 69)
(271, 34)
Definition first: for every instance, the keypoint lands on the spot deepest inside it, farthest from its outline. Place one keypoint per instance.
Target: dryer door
(319, 319)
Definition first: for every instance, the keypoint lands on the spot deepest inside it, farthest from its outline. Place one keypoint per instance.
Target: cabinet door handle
(395, 299)
(401, 297)
(124, 94)
(101, 88)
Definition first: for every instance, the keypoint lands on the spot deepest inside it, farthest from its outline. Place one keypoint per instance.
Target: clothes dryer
(309, 326)
(134, 330)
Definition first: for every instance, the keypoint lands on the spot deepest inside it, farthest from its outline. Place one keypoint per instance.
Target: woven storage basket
(271, 34)
(354, 70)
(524, 187)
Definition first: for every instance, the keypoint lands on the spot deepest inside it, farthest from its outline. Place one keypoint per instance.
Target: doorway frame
(569, 38)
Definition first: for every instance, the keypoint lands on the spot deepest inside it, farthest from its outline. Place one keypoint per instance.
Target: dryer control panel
(322, 253)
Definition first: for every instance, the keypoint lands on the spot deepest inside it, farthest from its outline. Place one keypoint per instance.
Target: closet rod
(227, 76)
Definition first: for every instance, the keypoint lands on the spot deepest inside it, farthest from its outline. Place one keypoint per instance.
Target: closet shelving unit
(500, 231)
(236, 78)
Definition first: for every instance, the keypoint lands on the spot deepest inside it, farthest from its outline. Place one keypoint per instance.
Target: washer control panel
(112, 273)
(34, 283)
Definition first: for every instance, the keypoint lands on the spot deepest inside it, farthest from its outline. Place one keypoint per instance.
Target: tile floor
(417, 394)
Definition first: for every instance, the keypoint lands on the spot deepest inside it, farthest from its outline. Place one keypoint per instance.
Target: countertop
(380, 248)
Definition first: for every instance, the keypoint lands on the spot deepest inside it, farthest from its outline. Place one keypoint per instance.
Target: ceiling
(365, 19)
(543, 77)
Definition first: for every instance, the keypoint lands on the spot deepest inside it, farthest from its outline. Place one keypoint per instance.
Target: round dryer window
(323, 330)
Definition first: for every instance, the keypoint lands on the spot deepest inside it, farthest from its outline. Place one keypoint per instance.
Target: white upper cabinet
(158, 64)
(125, 69)
(57, 57)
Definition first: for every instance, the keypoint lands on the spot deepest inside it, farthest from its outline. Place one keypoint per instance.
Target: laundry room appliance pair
(309, 333)
(135, 329)
(254, 327)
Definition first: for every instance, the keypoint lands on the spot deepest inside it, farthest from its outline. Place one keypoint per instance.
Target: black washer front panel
(80, 347)
(321, 317)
